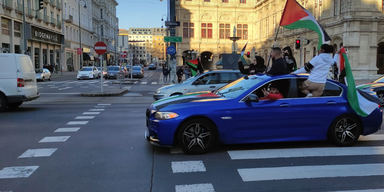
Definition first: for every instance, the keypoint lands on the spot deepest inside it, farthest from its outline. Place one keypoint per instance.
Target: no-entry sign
(100, 48)
(123, 54)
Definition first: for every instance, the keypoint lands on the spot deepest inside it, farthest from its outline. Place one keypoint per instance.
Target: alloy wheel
(346, 130)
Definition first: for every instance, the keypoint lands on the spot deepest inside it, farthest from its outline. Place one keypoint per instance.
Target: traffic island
(126, 81)
(105, 93)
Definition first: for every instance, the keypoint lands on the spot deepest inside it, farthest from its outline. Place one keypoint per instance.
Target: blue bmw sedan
(235, 114)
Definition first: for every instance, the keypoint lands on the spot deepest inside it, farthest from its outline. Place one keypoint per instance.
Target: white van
(17, 80)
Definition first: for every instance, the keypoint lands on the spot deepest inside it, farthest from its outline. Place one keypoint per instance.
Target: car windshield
(190, 80)
(38, 70)
(379, 80)
(86, 69)
(113, 68)
(238, 87)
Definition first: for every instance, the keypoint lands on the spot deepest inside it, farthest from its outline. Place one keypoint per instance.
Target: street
(66, 142)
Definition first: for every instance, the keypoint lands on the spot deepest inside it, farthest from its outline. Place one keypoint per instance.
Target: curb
(105, 94)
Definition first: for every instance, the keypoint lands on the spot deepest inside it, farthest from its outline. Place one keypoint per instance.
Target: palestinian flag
(340, 66)
(360, 104)
(245, 60)
(192, 64)
(295, 17)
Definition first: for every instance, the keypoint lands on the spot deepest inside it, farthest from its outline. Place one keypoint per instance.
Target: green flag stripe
(309, 24)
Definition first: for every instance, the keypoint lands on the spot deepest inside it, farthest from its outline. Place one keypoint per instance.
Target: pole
(101, 79)
(269, 57)
(301, 53)
(25, 46)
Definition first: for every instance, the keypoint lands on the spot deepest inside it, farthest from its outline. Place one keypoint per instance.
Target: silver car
(207, 81)
(43, 74)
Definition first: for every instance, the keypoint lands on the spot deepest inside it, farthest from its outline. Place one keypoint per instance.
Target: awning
(88, 57)
(220, 61)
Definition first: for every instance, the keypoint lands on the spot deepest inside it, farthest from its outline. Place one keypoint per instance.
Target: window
(243, 1)
(206, 30)
(343, 6)
(228, 77)
(225, 1)
(242, 31)
(17, 27)
(211, 78)
(188, 30)
(5, 26)
(207, 0)
(331, 90)
(224, 30)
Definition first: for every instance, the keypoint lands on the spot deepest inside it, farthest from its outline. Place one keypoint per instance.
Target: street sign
(171, 50)
(172, 39)
(100, 48)
(79, 51)
(172, 23)
(123, 54)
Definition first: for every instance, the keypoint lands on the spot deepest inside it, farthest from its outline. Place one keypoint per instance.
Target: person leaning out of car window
(257, 66)
(318, 69)
(272, 94)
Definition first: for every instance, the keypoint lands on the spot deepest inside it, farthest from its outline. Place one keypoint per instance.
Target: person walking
(165, 74)
(257, 66)
(187, 72)
(291, 61)
(279, 65)
(318, 69)
(179, 74)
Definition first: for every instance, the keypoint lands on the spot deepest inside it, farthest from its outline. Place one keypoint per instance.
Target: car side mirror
(252, 98)
(197, 82)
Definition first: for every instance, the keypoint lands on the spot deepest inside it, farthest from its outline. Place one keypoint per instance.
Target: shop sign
(41, 34)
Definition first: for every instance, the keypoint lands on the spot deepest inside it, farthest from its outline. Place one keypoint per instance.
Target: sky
(141, 13)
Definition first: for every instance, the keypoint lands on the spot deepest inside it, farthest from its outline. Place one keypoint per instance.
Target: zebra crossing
(281, 172)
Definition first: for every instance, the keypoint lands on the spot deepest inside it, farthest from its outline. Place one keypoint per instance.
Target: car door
(207, 82)
(265, 120)
(315, 114)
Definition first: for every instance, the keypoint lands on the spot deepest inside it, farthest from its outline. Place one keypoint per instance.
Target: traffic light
(248, 54)
(41, 4)
(306, 41)
(297, 44)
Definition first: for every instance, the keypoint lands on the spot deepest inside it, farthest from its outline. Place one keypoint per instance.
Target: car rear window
(86, 69)
(136, 68)
(26, 64)
(113, 68)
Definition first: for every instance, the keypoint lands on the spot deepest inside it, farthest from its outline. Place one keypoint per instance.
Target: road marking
(61, 93)
(38, 153)
(143, 83)
(305, 152)
(374, 137)
(103, 104)
(53, 87)
(64, 88)
(85, 117)
(77, 123)
(17, 172)
(73, 129)
(367, 190)
(127, 87)
(99, 106)
(309, 172)
(91, 113)
(132, 95)
(154, 83)
(54, 139)
(96, 110)
(206, 187)
(188, 166)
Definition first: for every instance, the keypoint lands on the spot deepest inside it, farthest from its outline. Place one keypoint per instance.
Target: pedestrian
(318, 69)
(291, 61)
(200, 67)
(165, 74)
(257, 66)
(179, 74)
(279, 65)
(187, 72)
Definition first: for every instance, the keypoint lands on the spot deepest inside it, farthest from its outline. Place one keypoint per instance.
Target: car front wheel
(345, 131)
(196, 136)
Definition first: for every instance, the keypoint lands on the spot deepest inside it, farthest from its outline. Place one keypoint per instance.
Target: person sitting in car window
(272, 94)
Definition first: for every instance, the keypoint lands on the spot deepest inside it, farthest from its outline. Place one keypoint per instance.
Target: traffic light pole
(301, 53)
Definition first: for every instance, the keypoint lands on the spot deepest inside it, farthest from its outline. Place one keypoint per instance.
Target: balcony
(19, 8)
(8, 5)
(46, 19)
(53, 3)
(30, 13)
(39, 16)
(53, 21)
(59, 24)
(68, 18)
(58, 4)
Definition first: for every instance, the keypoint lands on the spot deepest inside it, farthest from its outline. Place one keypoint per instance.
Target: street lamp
(85, 6)
(162, 19)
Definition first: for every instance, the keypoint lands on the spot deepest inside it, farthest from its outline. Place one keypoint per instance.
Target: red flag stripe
(292, 13)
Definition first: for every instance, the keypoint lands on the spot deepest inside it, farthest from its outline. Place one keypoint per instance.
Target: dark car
(112, 72)
(137, 72)
(152, 67)
(376, 86)
(234, 114)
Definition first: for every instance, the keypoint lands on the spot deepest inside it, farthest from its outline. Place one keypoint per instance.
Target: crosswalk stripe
(374, 137)
(38, 153)
(206, 187)
(72, 129)
(154, 83)
(188, 166)
(367, 190)
(91, 113)
(84, 117)
(305, 152)
(143, 83)
(17, 172)
(77, 122)
(54, 139)
(309, 172)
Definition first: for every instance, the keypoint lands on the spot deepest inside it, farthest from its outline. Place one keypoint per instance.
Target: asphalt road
(64, 142)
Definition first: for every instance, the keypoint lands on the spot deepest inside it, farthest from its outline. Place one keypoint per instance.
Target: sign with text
(172, 39)
(172, 23)
(123, 54)
(79, 51)
(100, 47)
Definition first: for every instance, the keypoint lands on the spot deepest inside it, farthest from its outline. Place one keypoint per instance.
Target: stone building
(205, 26)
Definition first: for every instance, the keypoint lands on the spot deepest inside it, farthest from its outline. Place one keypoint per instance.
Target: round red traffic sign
(123, 54)
(100, 48)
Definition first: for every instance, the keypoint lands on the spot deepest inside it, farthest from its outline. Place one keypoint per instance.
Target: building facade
(206, 25)
(43, 30)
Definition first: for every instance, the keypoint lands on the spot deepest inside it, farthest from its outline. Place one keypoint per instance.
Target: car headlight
(158, 91)
(165, 115)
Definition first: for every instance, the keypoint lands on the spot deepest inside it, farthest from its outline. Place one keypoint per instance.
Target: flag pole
(269, 57)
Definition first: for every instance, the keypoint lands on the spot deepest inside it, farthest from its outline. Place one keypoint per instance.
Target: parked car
(376, 86)
(208, 81)
(152, 66)
(88, 73)
(43, 74)
(234, 114)
(112, 72)
(17, 80)
(104, 71)
(137, 71)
